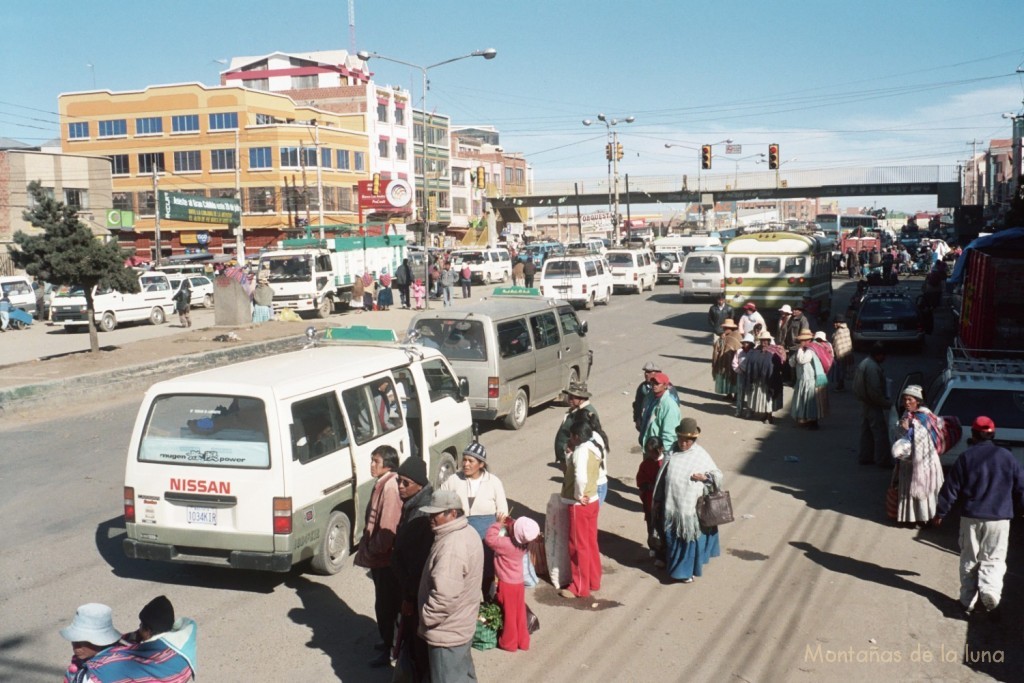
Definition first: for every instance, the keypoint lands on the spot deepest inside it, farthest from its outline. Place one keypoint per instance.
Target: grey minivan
(516, 352)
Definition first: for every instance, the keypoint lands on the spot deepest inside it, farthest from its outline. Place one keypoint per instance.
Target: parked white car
(486, 265)
(202, 289)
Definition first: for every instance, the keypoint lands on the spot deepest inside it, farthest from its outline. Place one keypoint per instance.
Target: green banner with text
(191, 208)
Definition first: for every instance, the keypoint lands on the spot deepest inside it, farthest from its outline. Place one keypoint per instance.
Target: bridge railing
(796, 178)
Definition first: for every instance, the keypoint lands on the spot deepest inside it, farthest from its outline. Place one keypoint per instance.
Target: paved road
(811, 585)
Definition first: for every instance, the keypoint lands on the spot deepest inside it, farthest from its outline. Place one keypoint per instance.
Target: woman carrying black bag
(687, 475)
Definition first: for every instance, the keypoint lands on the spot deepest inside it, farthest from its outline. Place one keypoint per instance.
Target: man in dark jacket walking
(404, 279)
(718, 314)
(529, 271)
(988, 483)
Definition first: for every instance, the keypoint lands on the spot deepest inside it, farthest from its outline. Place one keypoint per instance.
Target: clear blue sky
(834, 83)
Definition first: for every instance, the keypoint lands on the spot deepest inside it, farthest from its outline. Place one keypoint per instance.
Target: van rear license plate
(889, 327)
(701, 283)
(201, 516)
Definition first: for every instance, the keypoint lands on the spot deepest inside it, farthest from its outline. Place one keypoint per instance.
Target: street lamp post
(736, 173)
(489, 53)
(669, 145)
(613, 165)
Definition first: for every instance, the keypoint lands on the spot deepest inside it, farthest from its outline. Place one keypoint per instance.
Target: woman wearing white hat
(90, 633)
(918, 466)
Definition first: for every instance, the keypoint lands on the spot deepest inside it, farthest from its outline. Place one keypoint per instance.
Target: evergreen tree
(67, 254)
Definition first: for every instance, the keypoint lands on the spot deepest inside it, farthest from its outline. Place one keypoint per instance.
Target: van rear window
(553, 269)
(619, 259)
(702, 264)
(207, 431)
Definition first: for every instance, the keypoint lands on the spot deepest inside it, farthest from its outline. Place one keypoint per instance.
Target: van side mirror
(584, 328)
(463, 388)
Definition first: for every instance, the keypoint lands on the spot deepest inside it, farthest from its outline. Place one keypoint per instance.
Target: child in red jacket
(509, 539)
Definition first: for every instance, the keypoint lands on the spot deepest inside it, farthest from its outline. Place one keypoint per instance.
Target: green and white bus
(777, 267)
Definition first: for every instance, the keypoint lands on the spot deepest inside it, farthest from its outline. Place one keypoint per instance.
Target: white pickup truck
(154, 302)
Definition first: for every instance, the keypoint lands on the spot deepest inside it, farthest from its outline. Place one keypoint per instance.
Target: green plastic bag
(485, 638)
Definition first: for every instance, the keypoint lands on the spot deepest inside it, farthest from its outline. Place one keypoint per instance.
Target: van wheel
(157, 316)
(333, 550)
(108, 322)
(445, 469)
(486, 278)
(516, 417)
(590, 302)
(208, 301)
(325, 308)
(607, 297)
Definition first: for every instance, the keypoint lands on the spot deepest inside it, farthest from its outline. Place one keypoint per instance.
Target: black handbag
(715, 508)
(532, 622)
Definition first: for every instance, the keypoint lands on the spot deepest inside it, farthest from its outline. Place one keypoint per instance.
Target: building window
(399, 116)
(382, 112)
(75, 198)
(260, 157)
(187, 161)
(458, 177)
(145, 202)
(151, 125)
(289, 157)
(304, 82)
(119, 164)
(266, 120)
(122, 201)
(261, 199)
(459, 205)
(345, 199)
(78, 131)
(418, 165)
(330, 198)
(400, 150)
(227, 120)
(382, 148)
(442, 200)
(113, 128)
(417, 132)
(150, 161)
(309, 156)
(258, 84)
(360, 161)
(508, 175)
(185, 123)
(326, 158)
(222, 159)
(223, 193)
(519, 176)
(299, 198)
(344, 162)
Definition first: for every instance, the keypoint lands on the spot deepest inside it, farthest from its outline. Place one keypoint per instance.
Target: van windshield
(207, 431)
(456, 339)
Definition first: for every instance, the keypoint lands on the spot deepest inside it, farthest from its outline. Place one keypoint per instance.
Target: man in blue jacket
(987, 482)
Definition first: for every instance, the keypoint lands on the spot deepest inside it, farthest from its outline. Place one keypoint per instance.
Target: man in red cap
(987, 482)
(661, 413)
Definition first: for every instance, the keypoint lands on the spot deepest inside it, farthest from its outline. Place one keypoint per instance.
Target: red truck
(992, 307)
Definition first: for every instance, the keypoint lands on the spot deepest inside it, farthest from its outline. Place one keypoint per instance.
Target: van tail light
(129, 505)
(792, 280)
(729, 280)
(492, 387)
(635, 277)
(739, 281)
(680, 283)
(282, 515)
(723, 283)
(584, 288)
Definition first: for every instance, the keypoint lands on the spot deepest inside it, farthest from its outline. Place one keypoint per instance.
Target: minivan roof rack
(967, 362)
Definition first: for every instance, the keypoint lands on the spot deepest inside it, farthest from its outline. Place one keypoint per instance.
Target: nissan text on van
(266, 463)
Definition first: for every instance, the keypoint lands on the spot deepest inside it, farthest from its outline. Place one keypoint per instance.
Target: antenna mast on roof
(352, 25)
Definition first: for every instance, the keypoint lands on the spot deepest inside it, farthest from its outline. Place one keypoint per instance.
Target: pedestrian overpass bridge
(867, 181)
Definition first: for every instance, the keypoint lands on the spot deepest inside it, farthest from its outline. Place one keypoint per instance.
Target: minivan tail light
(680, 283)
(635, 277)
(129, 505)
(584, 288)
(282, 515)
(739, 281)
(492, 387)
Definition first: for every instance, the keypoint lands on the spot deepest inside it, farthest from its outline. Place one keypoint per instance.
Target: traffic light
(481, 181)
(618, 151)
(608, 151)
(705, 157)
(773, 157)
(376, 183)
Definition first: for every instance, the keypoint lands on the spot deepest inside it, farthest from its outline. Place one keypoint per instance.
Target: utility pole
(239, 236)
(974, 171)
(156, 212)
(319, 177)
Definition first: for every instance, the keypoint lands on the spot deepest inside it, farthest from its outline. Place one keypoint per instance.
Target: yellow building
(278, 158)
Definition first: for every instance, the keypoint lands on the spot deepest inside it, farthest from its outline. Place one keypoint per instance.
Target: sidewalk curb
(128, 378)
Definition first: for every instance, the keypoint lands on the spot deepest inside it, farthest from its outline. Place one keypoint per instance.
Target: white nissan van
(266, 463)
